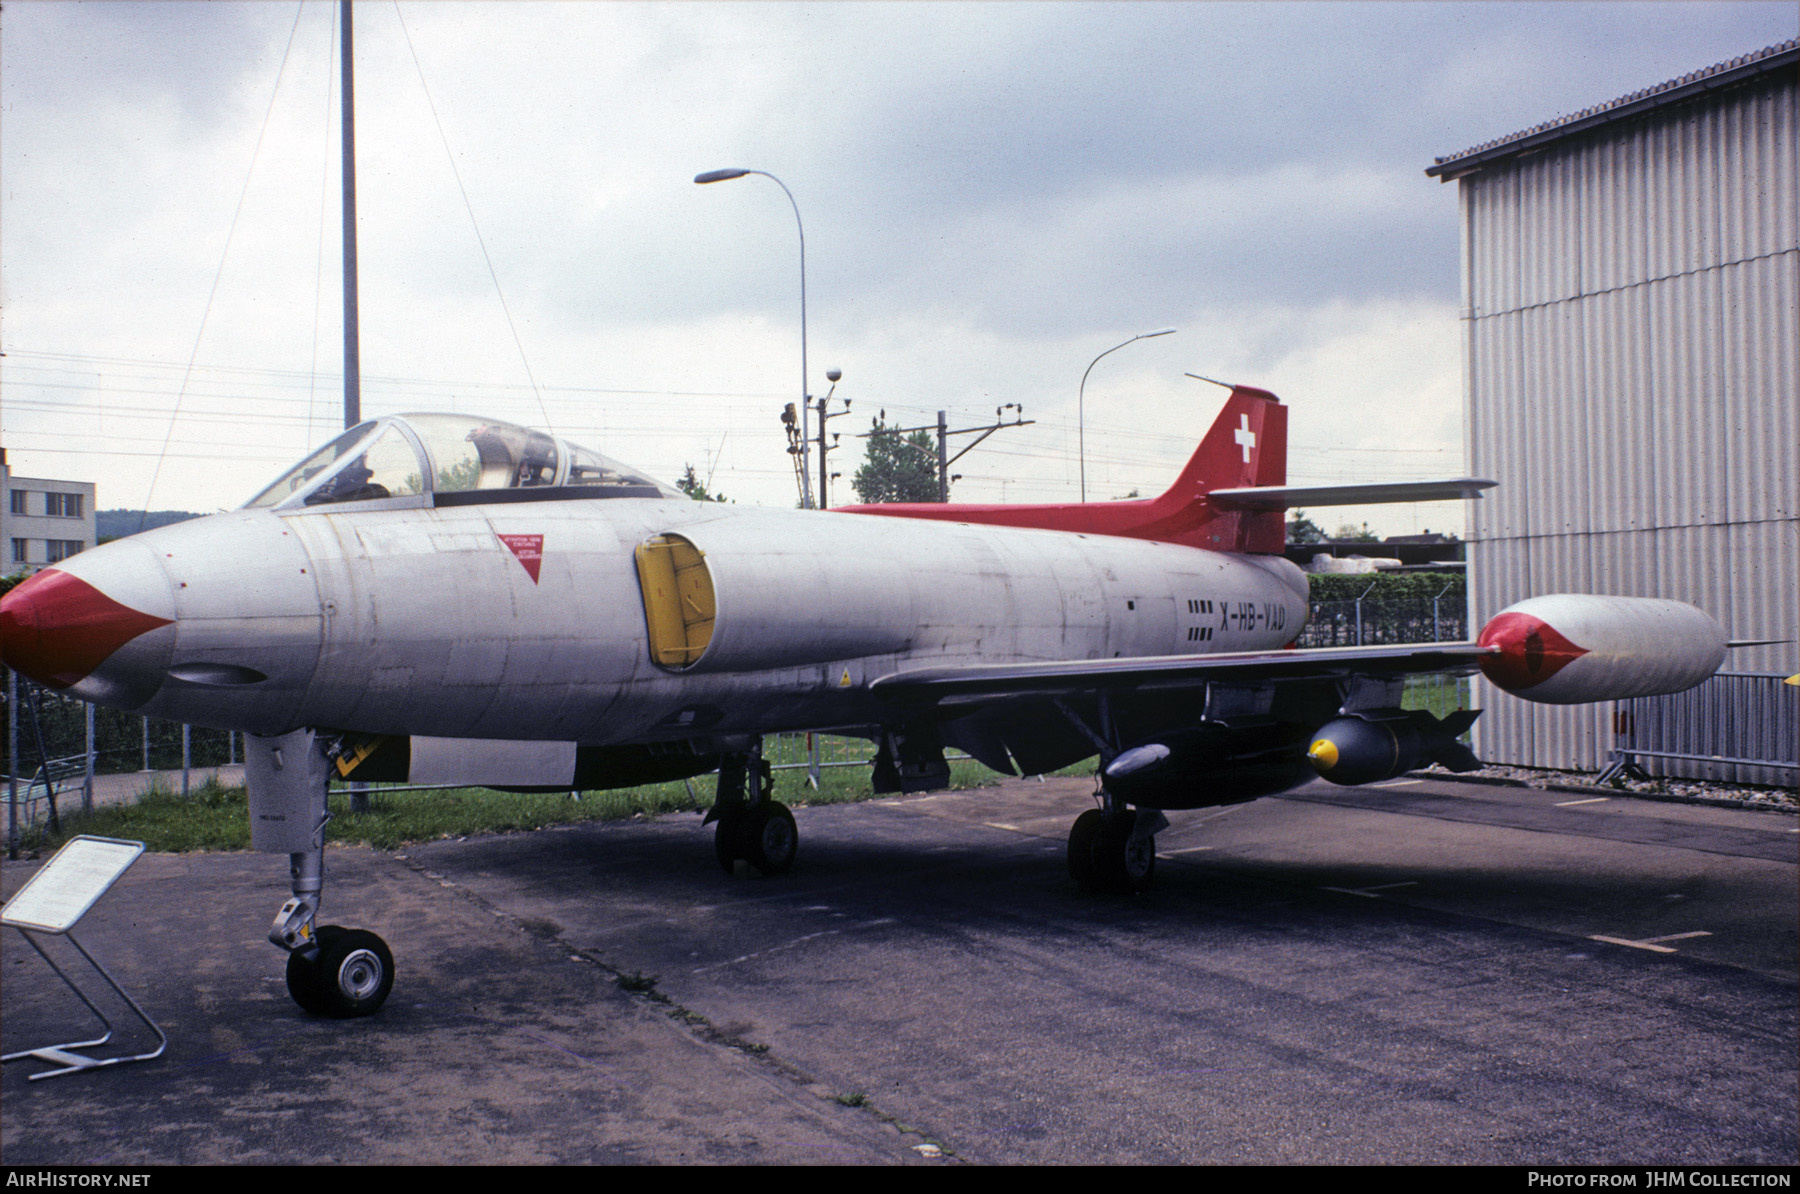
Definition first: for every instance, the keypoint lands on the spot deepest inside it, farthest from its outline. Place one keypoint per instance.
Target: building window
(61, 549)
(63, 505)
(21, 554)
(18, 500)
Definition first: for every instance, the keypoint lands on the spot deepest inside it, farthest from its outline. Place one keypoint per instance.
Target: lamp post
(724, 176)
(1081, 400)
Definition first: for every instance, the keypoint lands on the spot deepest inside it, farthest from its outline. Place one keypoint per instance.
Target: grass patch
(1437, 695)
(218, 818)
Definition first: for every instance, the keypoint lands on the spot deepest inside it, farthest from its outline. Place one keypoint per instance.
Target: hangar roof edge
(1721, 75)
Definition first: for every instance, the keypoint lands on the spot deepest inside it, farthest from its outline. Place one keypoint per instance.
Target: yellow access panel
(678, 599)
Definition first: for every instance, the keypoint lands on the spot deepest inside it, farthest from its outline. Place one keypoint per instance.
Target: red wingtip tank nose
(1531, 651)
(57, 628)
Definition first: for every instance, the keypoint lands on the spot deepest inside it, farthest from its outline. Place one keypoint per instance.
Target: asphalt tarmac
(1423, 972)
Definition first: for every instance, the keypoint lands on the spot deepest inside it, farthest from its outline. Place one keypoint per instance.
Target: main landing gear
(752, 824)
(331, 971)
(1112, 850)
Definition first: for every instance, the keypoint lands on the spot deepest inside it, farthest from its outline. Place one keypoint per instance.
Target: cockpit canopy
(451, 460)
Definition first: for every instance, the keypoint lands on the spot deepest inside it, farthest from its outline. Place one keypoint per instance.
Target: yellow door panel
(679, 605)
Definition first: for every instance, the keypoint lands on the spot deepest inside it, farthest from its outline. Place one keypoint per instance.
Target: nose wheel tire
(303, 981)
(348, 975)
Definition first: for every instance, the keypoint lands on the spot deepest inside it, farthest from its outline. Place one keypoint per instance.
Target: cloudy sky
(993, 194)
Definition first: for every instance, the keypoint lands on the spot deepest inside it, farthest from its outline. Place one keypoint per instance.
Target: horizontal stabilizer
(1286, 497)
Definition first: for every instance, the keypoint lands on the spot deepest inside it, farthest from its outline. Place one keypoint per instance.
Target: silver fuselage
(424, 621)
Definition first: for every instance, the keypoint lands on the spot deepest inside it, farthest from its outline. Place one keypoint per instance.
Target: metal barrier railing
(1742, 719)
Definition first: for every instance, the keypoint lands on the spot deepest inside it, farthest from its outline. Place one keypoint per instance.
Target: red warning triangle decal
(530, 551)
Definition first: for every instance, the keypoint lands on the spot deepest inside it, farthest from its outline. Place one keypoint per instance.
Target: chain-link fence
(55, 726)
(1370, 610)
(1369, 622)
(59, 753)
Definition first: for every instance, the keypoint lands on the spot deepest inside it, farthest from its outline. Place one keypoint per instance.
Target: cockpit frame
(419, 461)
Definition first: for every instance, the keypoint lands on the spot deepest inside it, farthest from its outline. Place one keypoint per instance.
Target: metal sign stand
(51, 903)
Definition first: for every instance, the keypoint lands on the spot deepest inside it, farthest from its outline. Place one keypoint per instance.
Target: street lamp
(1081, 400)
(725, 176)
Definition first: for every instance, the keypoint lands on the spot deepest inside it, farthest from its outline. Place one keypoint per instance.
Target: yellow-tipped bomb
(1382, 743)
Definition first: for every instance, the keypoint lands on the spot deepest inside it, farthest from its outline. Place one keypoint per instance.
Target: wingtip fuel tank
(1571, 648)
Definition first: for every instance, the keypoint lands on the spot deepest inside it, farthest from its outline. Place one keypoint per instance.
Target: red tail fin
(1246, 446)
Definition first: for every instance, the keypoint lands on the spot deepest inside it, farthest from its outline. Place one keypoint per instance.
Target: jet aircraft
(446, 599)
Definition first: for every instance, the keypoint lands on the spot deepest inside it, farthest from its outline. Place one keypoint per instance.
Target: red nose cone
(1531, 651)
(57, 628)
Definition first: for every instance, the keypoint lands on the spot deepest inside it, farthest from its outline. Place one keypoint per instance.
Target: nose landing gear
(331, 971)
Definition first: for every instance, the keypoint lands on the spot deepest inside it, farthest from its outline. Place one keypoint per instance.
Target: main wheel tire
(1132, 862)
(1104, 860)
(771, 838)
(1084, 836)
(353, 974)
(728, 839)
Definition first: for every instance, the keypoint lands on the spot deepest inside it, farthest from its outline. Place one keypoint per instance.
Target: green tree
(896, 467)
(1301, 529)
(1351, 533)
(696, 488)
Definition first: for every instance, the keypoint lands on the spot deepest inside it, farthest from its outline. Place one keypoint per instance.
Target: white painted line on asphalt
(1398, 783)
(1661, 949)
(1589, 800)
(763, 952)
(1184, 850)
(802, 940)
(1371, 893)
(1003, 825)
(1651, 943)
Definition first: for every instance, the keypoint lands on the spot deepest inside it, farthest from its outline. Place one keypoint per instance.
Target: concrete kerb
(1777, 802)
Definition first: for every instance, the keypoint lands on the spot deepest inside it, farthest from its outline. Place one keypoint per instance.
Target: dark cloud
(182, 59)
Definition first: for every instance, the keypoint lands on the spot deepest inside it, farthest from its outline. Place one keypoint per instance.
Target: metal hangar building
(1630, 311)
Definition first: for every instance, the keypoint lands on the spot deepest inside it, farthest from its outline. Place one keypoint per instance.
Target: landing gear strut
(752, 824)
(331, 971)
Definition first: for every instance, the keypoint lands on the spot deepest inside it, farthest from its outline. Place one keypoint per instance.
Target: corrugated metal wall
(1631, 316)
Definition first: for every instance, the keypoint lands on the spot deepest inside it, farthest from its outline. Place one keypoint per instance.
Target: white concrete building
(43, 521)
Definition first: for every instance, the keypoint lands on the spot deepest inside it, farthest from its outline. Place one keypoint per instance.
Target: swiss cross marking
(1245, 437)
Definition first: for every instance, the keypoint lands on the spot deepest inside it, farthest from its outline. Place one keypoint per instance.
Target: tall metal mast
(352, 350)
(359, 793)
